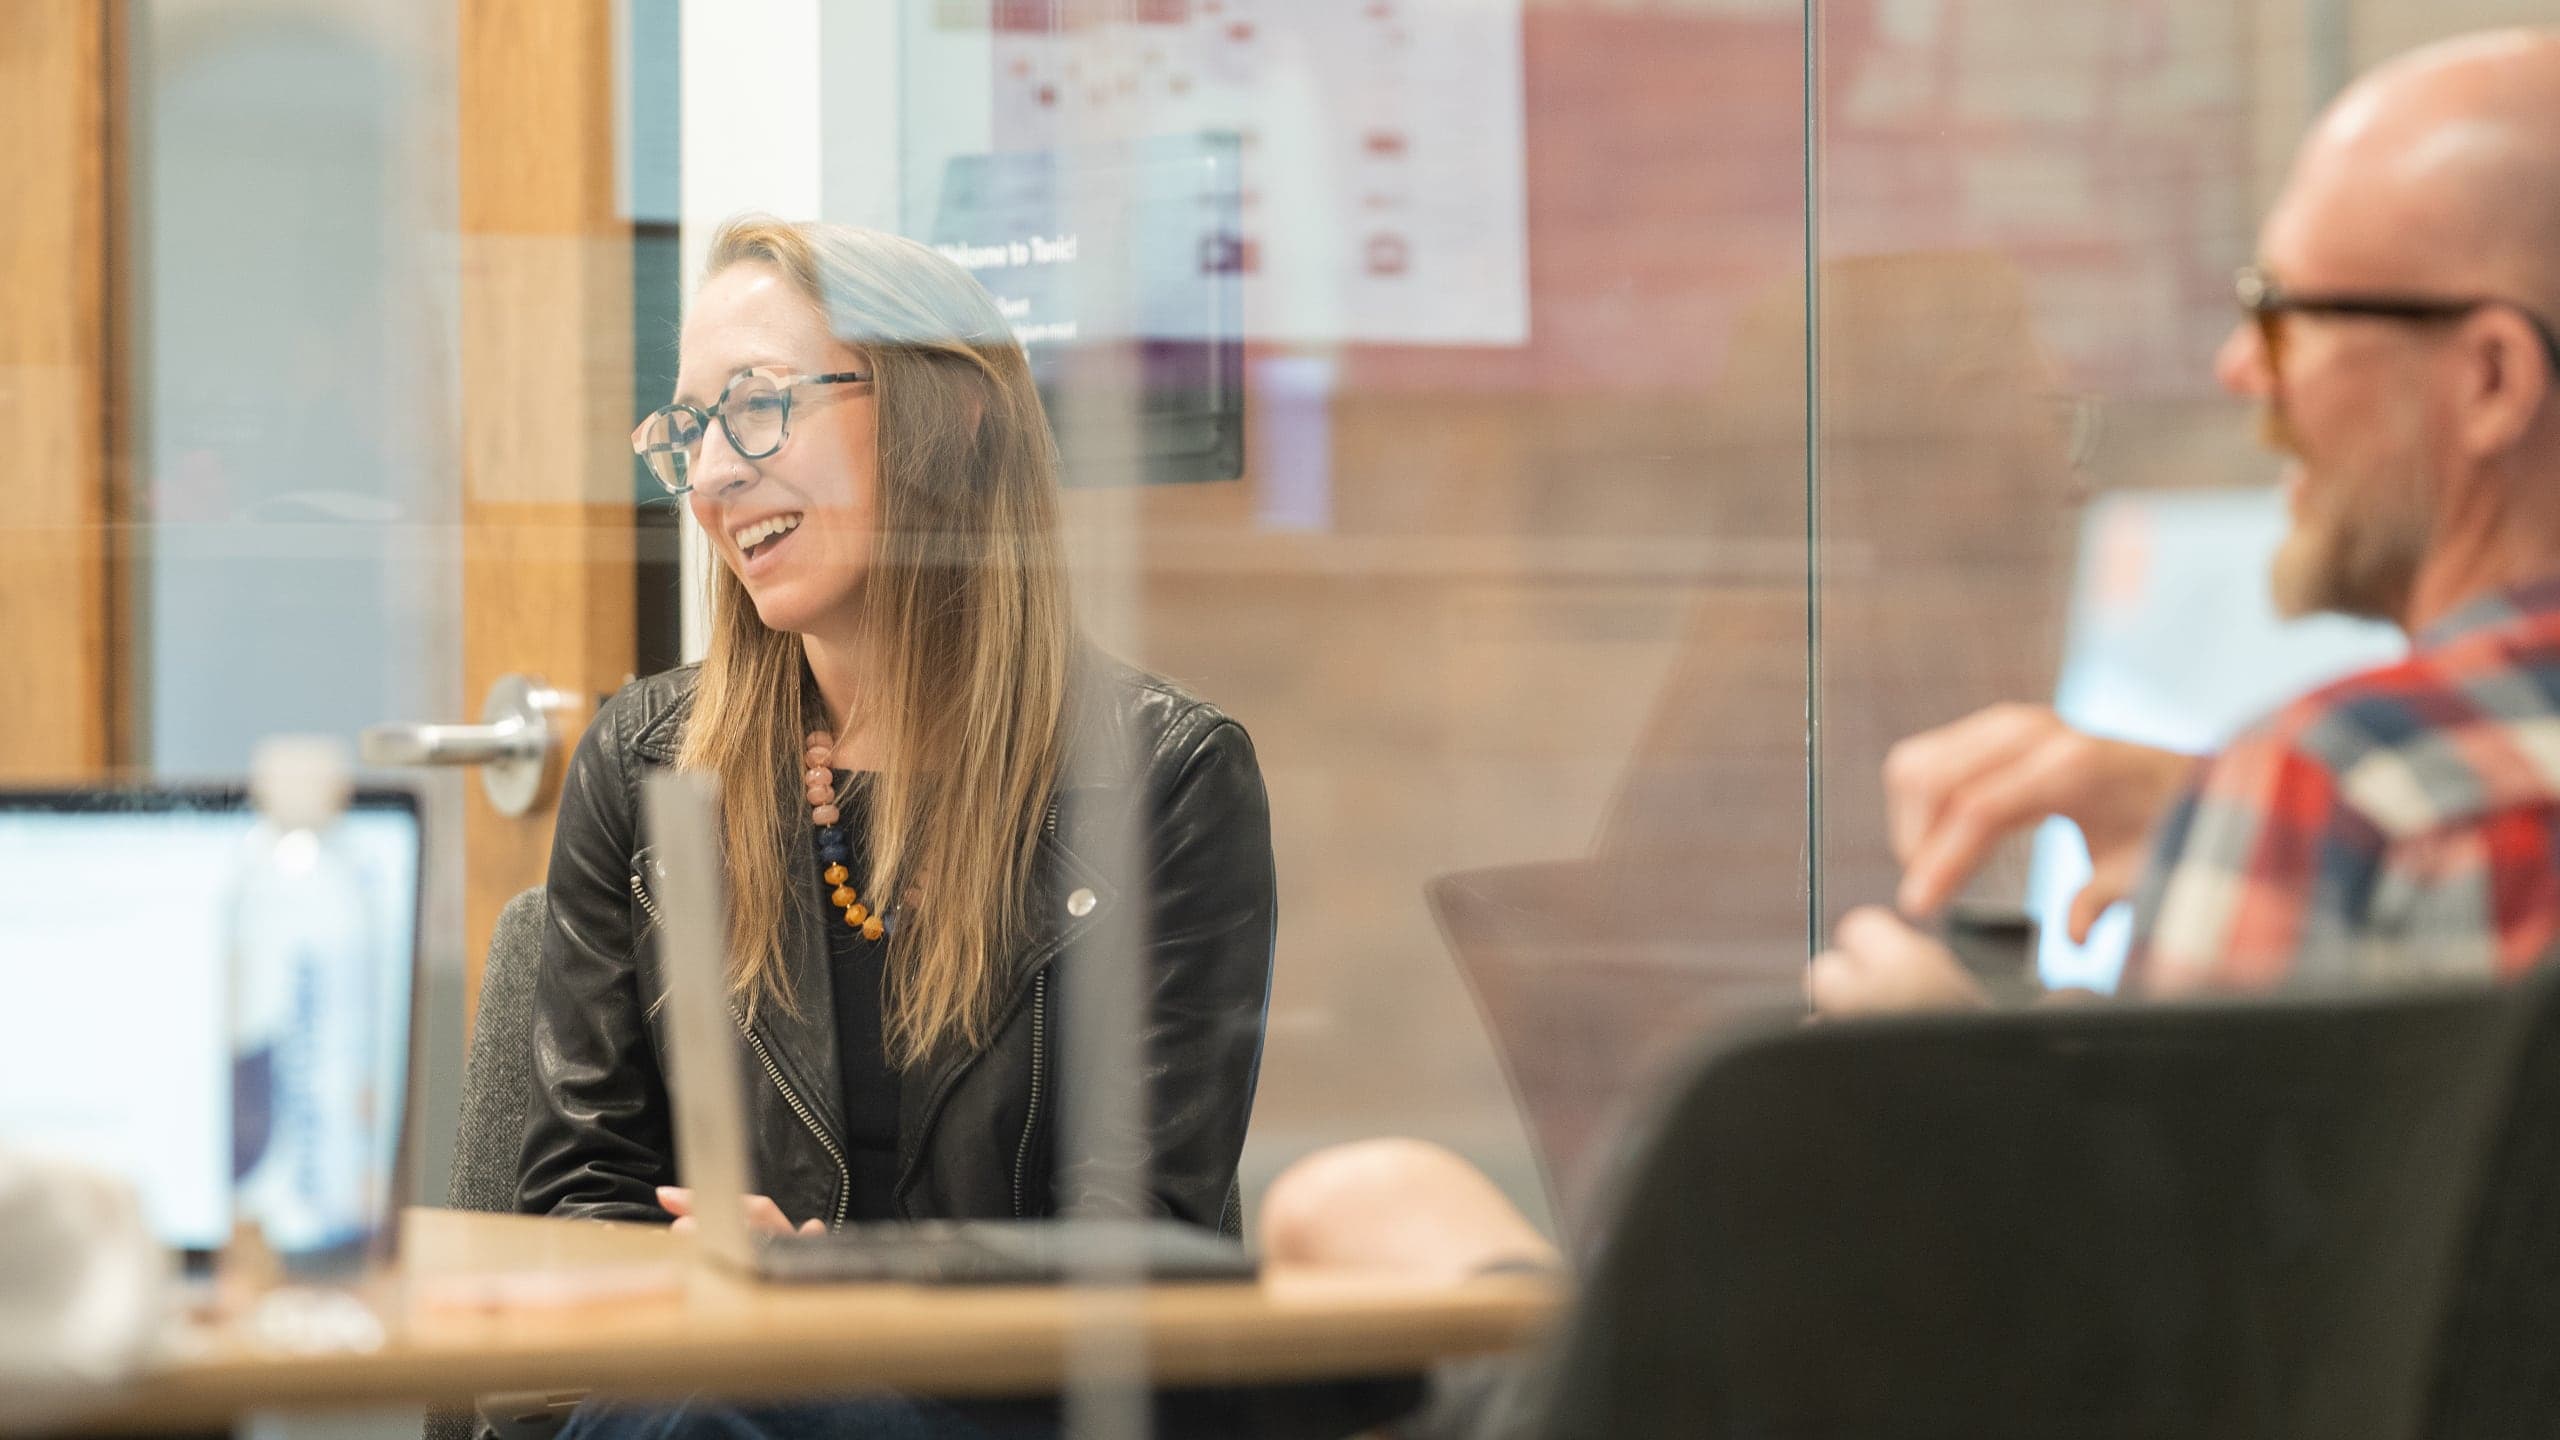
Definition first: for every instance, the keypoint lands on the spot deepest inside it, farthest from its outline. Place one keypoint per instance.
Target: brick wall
(1548, 661)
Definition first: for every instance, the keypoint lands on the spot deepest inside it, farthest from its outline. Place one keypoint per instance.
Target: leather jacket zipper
(773, 1072)
(1039, 1048)
(909, 1163)
(844, 1171)
(1039, 1059)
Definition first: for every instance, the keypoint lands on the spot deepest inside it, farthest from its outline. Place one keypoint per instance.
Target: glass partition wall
(1460, 433)
(1575, 438)
(1465, 467)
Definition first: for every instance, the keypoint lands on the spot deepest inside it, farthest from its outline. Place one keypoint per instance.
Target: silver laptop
(112, 904)
(707, 1079)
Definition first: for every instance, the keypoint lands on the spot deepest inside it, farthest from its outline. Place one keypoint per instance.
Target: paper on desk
(83, 1288)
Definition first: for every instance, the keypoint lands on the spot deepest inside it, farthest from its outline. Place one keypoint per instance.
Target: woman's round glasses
(754, 410)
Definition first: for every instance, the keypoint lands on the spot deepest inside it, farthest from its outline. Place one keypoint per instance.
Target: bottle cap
(300, 782)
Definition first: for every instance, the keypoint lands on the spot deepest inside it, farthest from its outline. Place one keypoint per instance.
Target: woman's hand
(762, 1213)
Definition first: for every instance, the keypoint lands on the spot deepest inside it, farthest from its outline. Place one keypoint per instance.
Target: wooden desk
(503, 1302)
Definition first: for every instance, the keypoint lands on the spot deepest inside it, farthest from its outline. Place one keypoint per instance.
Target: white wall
(751, 141)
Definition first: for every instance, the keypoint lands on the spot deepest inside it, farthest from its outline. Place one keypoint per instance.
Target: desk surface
(502, 1302)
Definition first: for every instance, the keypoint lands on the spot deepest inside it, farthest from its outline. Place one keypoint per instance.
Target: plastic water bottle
(305, 1112)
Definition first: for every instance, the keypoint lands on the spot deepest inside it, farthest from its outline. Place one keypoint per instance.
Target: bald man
(2403, 823)
(2398, 333)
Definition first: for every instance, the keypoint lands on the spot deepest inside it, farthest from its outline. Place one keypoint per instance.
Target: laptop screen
(112, 1048)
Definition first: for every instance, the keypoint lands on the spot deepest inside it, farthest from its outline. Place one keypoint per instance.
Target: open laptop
(707, 1077)
(112, 995)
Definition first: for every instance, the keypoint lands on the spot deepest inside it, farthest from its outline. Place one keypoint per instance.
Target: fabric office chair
(2224, 1221)
(496, 1075)
(496, 1087)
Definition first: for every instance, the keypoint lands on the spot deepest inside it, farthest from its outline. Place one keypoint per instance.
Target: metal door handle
(517, 744)
(507, 739)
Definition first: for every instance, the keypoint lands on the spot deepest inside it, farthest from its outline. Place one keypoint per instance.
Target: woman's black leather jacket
(977, 1130)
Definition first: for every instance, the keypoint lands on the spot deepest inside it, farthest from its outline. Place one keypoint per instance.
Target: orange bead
(857, 913)
(849, 920)
(837, 874)
(872, 929)
(844, 895)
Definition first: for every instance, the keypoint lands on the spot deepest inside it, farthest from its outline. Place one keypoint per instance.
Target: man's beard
(2358, 536)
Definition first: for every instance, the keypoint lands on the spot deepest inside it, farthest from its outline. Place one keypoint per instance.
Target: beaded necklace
(835, 852)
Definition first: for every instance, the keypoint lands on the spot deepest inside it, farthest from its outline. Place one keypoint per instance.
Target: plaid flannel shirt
(2400, 824)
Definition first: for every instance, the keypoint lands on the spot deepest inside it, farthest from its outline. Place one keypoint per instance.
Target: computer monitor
(113, 1049)
(2174, 640)
(1121, 268)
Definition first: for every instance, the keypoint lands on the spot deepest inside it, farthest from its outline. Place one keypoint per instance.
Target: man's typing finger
(1925, 772)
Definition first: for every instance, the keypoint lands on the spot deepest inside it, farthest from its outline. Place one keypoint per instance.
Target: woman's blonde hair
(966, 604)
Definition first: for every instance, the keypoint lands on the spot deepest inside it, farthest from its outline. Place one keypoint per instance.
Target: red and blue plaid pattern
(2400, 824)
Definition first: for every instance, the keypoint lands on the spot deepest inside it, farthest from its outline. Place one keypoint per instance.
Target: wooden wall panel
(56, 670)
(546, 387)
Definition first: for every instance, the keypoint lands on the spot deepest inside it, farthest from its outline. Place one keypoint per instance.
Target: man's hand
(1953, 793)
(762, 1213)
(1880, 966)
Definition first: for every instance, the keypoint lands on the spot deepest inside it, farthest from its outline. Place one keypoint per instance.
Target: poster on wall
(1129, 310)
(1382, 184)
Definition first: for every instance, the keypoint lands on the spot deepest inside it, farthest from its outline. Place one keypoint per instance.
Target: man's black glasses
(2268, 302)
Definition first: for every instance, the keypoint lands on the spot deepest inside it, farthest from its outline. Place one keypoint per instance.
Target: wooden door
(544, 255)
(58, 697)
(547, 530)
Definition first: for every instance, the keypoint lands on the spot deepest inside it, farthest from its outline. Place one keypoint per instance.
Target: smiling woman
(891, 691)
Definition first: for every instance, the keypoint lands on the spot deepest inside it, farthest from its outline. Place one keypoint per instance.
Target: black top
(870, 1085)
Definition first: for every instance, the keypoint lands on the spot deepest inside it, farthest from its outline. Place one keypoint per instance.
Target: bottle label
(303, 1108)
